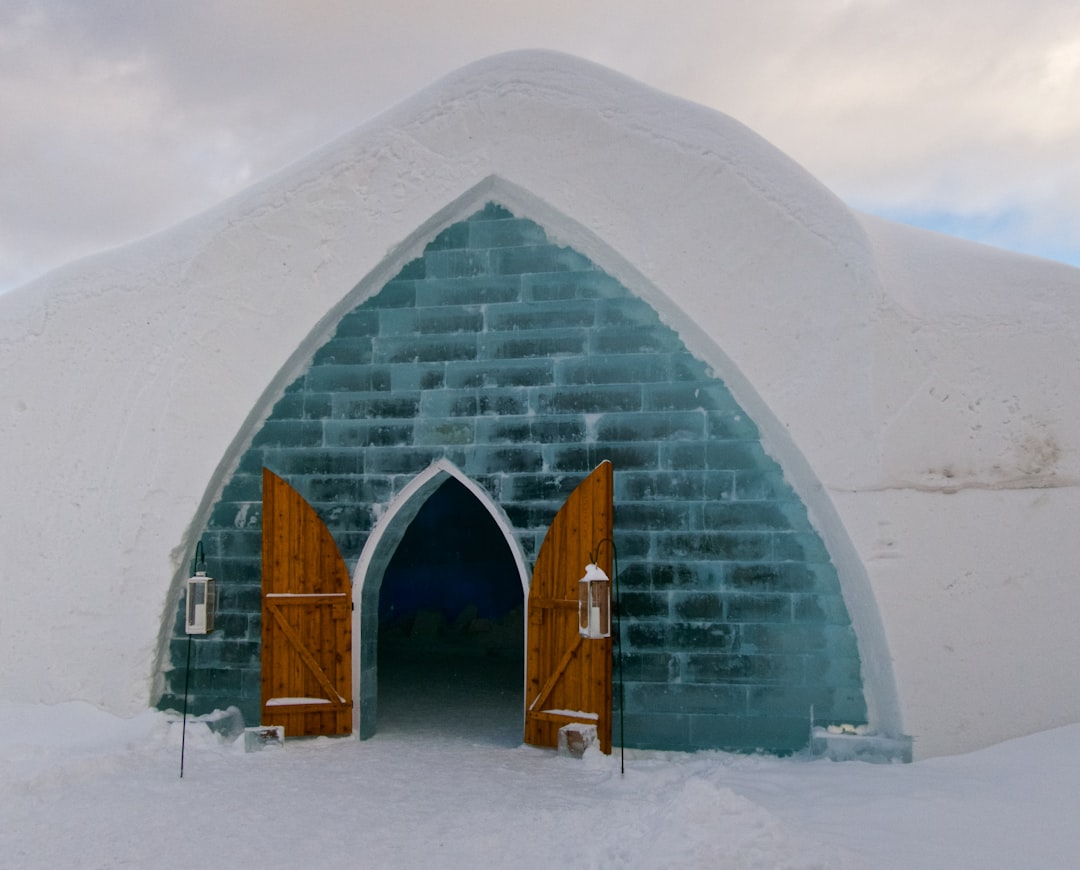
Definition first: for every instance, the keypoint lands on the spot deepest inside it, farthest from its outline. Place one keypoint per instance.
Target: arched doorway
(441, 615)
(451, 624)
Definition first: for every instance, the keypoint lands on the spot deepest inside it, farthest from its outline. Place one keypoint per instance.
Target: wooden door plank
(563, 671)
(556, 674)
(306, 630)
(304, 656)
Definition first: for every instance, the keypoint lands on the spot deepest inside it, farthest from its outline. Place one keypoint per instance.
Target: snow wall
(920, 393)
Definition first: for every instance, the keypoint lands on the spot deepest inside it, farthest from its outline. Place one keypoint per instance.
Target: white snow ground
(446, 784)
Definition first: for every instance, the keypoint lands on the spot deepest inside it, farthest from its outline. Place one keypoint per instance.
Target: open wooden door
(568, 678)
(306, 618)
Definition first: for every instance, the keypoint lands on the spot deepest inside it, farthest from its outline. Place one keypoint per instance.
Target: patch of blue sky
(1011, 229)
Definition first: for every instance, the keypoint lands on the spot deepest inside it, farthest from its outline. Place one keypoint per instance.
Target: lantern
(201, 604)
(201, 599)
(594, 603)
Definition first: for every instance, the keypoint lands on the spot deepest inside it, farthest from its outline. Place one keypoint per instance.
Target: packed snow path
(83, 789)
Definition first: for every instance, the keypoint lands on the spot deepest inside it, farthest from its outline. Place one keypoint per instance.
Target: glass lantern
(201, 604)
(594, 603)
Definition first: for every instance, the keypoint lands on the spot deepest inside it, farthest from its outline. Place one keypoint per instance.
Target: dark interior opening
(451, 626)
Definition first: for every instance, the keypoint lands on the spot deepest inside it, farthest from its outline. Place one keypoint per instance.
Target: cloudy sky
(120, 117)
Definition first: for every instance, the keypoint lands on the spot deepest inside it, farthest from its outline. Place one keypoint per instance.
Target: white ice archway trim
(381, 544)
(402, 509)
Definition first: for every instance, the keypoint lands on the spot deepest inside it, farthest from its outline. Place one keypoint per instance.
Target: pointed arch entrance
(424, 591)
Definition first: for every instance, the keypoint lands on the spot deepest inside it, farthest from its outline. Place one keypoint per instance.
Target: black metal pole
(618, 640)
(183, 731)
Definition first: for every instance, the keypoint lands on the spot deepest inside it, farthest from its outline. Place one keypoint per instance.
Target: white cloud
(122, 116)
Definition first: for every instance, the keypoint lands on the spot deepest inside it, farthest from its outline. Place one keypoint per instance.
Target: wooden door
(568, 678)
(306, 618)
